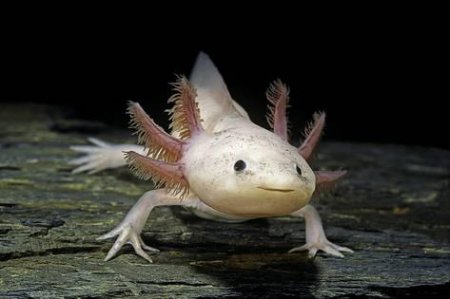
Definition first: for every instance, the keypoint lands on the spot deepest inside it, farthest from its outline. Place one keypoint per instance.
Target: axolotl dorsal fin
(213, 98)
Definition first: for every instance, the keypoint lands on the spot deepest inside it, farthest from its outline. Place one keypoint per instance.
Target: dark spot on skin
(249, 173)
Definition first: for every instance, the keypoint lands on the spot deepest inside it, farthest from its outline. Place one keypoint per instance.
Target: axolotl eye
(299, 170)
(239, 165)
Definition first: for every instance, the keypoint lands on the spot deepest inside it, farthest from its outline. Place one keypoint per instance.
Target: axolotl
(217, 162)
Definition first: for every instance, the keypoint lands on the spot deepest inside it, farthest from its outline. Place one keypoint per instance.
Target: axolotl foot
(324, 245)
(127, 234)
(315, 235)
(101, 155)
(129, 230)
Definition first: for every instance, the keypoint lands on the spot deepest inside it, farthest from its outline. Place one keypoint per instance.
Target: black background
(380, 77)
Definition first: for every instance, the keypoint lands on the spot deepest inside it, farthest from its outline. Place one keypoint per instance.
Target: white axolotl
(217, 162)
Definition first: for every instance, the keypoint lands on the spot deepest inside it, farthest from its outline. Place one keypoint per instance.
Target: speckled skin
(270, 185)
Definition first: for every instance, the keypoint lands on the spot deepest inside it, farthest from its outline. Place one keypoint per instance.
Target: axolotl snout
(217, 162)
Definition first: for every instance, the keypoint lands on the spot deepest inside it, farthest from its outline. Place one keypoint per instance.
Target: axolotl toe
(217, 162)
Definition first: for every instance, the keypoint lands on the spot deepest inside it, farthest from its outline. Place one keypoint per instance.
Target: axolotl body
(217, 162)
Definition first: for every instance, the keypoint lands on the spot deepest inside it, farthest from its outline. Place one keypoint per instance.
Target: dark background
(380, 78)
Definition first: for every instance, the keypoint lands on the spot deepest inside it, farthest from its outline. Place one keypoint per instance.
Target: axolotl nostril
(217, 162)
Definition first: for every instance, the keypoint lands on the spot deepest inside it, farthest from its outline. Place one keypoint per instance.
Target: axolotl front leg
(315, 235)
(129, 230)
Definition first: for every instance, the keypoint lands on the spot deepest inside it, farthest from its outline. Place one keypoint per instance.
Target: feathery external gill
(160, 144)
(163, 174)
(185, 115)
(312, 134)
(278, 96)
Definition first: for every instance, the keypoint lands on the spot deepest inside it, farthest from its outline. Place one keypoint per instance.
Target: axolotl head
(242, 170)
(248, 171)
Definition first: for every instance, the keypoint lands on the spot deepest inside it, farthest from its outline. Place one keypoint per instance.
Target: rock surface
(393, 209)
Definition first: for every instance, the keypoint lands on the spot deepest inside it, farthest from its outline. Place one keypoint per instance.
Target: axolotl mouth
(275, 189)
(259, 201)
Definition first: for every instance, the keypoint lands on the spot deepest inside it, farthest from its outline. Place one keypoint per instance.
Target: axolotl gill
(217, 162)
